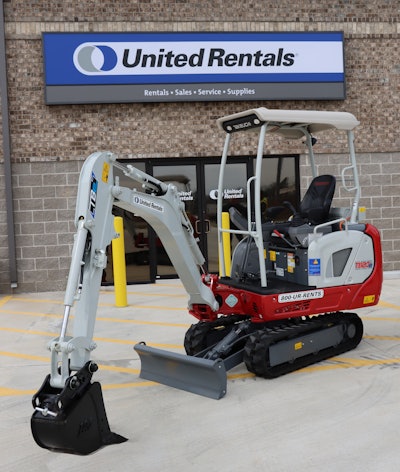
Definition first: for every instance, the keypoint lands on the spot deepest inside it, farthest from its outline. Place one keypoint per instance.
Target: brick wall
(49, 143)
(44, 198)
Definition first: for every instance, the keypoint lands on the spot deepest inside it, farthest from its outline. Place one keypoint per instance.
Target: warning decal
(314, 266)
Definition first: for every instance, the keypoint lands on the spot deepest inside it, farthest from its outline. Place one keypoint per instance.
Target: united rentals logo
(184, 57)
(92, 59)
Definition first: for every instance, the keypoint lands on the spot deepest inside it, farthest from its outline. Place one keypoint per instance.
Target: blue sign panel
(314, 266)
(142, 67)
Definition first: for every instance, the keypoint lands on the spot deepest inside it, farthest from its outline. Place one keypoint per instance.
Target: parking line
(388, 305)
(106, 340)
(5, 299)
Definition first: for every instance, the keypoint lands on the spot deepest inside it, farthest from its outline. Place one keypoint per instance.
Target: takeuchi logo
(95, 58)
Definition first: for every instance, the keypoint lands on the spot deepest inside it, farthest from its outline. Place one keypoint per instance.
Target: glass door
(235, 194)
(185, 178)
(136, 240)
(197, 185)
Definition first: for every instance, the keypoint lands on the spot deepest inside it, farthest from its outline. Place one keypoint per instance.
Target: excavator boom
(57, 423)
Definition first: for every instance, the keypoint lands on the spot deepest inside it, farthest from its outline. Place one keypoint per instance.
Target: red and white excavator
(284, 305)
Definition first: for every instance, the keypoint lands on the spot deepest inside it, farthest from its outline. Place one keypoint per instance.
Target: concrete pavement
(341, 414)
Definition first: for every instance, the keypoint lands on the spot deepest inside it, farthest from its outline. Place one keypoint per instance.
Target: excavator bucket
(73, 420)
(192, 374)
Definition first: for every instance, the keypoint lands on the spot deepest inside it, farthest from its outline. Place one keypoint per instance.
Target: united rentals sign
(172, 67)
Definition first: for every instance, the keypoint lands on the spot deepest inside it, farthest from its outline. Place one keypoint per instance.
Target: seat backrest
(317, 200)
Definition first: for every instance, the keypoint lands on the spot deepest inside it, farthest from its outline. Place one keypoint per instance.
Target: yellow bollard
(119, 266)
(226, 243)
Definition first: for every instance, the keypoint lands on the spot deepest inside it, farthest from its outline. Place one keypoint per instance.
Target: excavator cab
(313, 209)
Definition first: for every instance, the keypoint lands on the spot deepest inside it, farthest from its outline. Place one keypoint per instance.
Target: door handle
(202, 226)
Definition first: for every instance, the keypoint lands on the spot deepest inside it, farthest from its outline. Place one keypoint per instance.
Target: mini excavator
(286, 303)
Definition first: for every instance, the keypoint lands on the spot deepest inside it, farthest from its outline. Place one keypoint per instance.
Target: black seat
(313, 210)
(316, 203)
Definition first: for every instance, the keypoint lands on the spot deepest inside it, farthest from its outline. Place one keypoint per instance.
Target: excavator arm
(67, 396)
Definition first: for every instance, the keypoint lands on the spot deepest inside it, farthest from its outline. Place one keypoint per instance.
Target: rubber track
(256, 351)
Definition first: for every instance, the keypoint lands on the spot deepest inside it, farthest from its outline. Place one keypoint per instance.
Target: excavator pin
(73, 419)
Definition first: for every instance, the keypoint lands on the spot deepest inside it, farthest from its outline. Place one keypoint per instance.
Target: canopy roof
(288, 122)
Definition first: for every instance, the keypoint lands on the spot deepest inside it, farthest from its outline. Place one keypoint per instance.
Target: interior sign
(171, 67)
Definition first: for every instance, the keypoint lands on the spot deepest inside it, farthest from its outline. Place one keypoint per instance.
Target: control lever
(280, 235)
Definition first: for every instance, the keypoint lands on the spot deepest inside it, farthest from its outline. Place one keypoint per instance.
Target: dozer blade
(69, 422)
(192, 374)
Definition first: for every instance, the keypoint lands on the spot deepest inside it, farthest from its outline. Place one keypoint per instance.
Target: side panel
(310, 301)
(355, 247)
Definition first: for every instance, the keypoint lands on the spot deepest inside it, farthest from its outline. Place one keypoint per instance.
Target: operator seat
(313, 209)
(316, 203)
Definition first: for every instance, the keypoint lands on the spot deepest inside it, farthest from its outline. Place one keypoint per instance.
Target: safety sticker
(106, 171)
(291, 263)
(314, 266)
(300, 296)
(231, 300)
